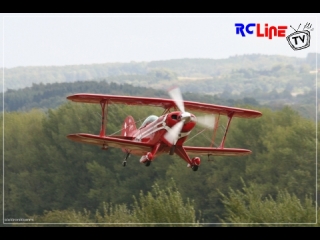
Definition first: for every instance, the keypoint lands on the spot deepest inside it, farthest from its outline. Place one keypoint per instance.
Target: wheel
(195, 167)
(148, 163)
(124, 163)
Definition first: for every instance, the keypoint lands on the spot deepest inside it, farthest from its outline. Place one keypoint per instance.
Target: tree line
(49, 178)
(44, 96)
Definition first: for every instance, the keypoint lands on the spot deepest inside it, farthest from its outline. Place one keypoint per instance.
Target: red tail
(128, 127)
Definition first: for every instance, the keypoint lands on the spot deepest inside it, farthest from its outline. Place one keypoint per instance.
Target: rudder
(128, 127)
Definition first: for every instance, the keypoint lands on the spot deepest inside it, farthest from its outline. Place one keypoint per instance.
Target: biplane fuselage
(153, 132)
(165, 134)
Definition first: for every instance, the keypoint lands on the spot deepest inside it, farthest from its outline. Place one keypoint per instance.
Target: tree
(159, 207)
(164, 206)
(249, 208)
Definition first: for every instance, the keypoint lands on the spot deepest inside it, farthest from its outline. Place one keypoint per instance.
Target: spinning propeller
(172, 135)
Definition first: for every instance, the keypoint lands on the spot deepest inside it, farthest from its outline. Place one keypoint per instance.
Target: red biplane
(165, 134)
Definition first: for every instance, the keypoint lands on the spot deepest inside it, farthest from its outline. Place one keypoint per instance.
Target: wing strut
(103, 104)
(216, 124)
(230, 115)
(181, 152)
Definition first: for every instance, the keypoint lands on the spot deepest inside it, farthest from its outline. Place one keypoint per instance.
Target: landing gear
(195, 164)
(124, 163)
(104, 147)
(173, 147)
(194, 167)
(146, 159)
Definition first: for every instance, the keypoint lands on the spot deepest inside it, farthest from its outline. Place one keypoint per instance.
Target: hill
(235, 74)
(46, 96)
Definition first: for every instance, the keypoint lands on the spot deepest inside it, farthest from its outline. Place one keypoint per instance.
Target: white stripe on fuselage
(154, 127)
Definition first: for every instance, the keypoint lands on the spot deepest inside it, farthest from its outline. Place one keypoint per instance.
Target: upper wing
(216, 151)
(117, 142)
(165, 103)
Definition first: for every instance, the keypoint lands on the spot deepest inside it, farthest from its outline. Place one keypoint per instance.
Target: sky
(74, 39)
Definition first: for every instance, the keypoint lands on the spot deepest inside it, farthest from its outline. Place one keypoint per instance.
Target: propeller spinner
(172, 135)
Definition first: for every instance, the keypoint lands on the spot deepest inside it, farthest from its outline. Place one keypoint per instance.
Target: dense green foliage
(53, 180)
(48, 176)
(248, 208)
(159, 207)
(43, 96)
(164, 206)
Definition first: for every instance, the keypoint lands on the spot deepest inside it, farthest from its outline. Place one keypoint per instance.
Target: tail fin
(128, 127)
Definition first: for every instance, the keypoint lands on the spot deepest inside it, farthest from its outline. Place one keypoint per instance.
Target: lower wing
(116, 142)
(216, 151)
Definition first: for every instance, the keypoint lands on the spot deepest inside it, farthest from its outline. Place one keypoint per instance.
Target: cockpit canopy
(148, 120)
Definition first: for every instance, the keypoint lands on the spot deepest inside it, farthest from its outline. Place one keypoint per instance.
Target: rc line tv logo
(269, 32)
(300, 39)
(297, 40)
